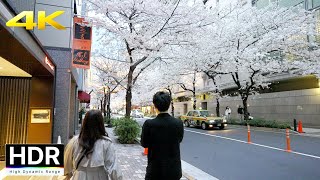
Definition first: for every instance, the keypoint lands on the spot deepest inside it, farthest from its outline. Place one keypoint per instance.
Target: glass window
(316, 3)
(318, 26)
(309, 4)
(287, 3)
(190, 113)
(262, 3)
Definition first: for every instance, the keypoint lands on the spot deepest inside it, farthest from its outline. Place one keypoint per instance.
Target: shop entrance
(14, 100)
(26, 93)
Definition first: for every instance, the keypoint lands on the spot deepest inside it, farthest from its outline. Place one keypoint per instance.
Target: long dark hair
(92, 129)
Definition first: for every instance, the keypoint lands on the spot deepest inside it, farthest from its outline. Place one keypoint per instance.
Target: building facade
(27, 81)
(39, 88)
(290, 96)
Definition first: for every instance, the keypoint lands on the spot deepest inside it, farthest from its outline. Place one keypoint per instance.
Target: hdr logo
(34, 159)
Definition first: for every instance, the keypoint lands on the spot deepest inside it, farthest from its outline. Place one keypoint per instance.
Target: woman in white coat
(91, 156)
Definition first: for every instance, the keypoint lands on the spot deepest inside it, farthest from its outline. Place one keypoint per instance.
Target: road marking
(261, 145)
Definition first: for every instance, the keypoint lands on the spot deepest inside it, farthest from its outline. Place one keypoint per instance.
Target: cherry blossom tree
(250, 44)
(211, 72)
(159, 79)
(144, 28)
(108, 79)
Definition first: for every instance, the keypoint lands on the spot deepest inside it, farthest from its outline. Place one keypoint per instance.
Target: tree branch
(183, 86)
(171, 15)
(139, 61)
(141, 70)
(112, 59)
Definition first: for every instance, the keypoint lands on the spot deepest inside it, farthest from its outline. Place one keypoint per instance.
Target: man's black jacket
(162, 137)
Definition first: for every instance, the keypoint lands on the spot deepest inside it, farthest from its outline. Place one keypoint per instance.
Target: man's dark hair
(162, 100)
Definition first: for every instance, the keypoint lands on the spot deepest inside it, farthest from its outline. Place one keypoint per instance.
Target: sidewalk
(310, 132)
(132, 163)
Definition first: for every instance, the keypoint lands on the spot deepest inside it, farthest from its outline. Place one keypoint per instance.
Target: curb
(186, 175)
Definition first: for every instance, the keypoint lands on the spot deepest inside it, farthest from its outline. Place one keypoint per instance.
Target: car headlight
(212, 121)
(224, 120)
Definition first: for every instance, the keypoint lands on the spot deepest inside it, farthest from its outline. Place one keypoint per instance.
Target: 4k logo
(42, 20)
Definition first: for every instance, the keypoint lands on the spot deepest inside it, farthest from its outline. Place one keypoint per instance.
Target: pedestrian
(227, 113)
(162, 136)
(240, 113)
(91, 154)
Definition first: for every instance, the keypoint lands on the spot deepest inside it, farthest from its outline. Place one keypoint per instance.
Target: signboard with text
(81, 48)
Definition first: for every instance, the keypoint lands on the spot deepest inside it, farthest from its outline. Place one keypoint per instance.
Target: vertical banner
(81, 48)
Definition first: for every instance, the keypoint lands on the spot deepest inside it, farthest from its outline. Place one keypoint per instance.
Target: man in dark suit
(162, 136)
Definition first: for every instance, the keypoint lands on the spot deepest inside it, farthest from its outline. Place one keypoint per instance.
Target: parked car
(137, 113)
(203, 118)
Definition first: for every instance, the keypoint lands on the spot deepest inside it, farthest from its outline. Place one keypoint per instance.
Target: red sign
(82, 36)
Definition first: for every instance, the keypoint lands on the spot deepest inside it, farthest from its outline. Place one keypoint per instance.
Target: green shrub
(284, 126)
(236, 122)
(127, 130)
(259, 122)
(114, 121)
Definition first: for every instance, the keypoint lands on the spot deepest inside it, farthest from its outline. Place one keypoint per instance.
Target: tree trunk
(172, 107)
(108, 106)
(245, 107)
(194, 92)
(104, 102)
(194, 101)
(129, 92)
(217, 93)
(218, 107)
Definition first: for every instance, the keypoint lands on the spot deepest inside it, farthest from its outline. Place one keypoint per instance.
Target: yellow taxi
(203, 118)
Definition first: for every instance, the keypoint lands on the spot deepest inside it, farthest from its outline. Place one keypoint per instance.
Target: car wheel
(203, 125)
(221, 127)
(186, 123)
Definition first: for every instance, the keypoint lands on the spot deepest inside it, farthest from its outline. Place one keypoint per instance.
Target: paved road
(228, 159)
(219, 154)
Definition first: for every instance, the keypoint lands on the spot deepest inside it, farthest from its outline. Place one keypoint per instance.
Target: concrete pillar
(62, 106)
(73, 110)
(61, 123)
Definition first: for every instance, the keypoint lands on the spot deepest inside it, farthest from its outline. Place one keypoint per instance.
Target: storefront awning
(83, 97)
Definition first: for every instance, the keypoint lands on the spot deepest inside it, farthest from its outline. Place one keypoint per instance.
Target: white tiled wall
(61, 3)
(63, 19)
(50, 36)
(54, 38)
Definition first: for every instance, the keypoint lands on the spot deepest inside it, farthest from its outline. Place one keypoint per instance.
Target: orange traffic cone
(145, 152)
(300, 127)
(288, 141)
(249, 134)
